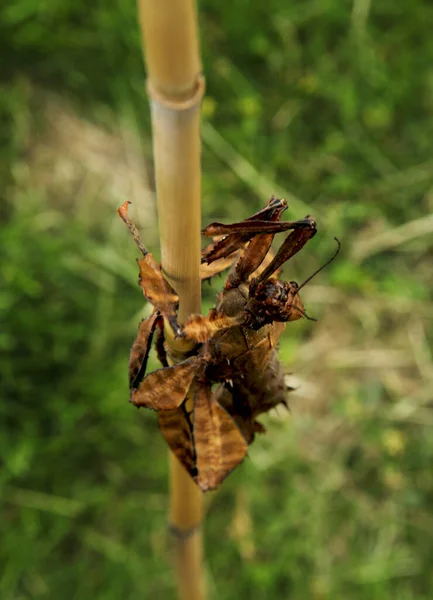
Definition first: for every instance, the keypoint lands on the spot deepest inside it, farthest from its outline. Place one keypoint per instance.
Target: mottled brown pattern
(201, 328)
(140, 349)
(234, 447)
(209, 271)
(258, 247)
(249, 229)
(207, 440)
(176, 428)
(239, 233)
(219, 444)
(229, 343)
(157, 289)
(161, 351)
(166, 388)
(249, 261)
(248, 397)
(276, 301)
(225, 246)
(292, 244)
(235, 344)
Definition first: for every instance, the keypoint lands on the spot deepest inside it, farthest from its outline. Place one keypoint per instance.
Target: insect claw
(178, 333)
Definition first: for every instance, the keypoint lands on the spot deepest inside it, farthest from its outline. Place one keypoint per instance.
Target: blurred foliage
(330, 102)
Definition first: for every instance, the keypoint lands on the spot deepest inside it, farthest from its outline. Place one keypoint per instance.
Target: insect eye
(294, 284)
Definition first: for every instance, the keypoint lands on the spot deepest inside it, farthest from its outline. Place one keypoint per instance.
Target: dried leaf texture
(166, 388)
(219, 444)
(201, 328)
(140, 350)
(176, 428)
(157, 290)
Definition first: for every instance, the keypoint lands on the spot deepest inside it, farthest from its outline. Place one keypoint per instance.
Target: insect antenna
(328, 262)
(303, 312)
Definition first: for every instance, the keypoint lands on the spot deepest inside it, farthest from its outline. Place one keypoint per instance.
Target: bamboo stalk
(175, 87)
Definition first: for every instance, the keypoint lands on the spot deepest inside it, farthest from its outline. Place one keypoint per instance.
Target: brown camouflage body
(246, 363)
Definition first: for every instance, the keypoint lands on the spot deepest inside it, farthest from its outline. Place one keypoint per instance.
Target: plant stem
(175, 87)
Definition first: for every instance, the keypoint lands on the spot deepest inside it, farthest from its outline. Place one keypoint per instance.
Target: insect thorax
(232, 302)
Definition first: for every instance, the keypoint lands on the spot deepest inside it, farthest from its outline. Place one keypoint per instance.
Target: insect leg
(238, 234)
(155, 287)
(207, 271)
(234, 240)
(251, 228)
(292, 244)
(250, 260)
(256, 251)
(200, 328)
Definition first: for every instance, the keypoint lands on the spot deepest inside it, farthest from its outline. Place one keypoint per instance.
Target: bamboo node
(183, 534)
(178, 104)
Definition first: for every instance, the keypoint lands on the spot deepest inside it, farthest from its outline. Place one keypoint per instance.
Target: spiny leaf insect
(232, 373)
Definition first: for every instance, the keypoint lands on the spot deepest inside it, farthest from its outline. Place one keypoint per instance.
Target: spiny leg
(259, 230)
(234, 240)
(266, 261)
(292, 244)
(250, 260)
(200, 328)
(251, 228)
(222, 264)
(155, 287)
(207, 271)
(274, 206)
(266, 213)
(244, 232)
(255, 252)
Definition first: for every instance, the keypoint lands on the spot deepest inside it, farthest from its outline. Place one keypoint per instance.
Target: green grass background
(329, 103)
